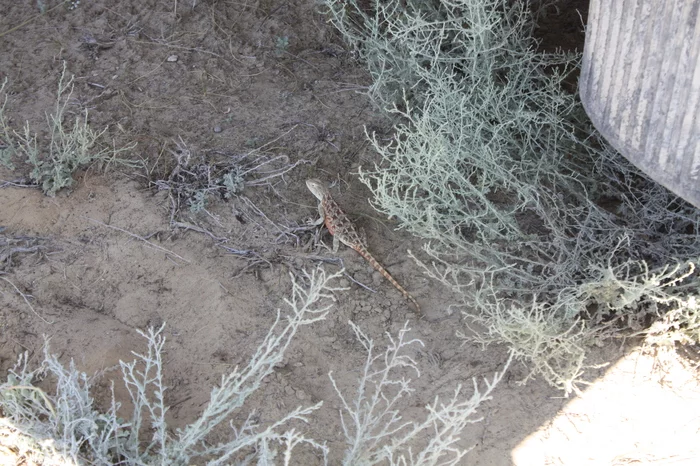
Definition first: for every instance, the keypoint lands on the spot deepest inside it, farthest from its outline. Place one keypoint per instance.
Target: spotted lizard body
(344, 231)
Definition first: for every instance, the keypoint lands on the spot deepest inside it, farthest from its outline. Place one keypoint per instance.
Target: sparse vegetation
(372, 423)
(281, 45)
(67, 147)
(197, 178)
(7, 145)
(530, 217)
(550, 241)
(66, 426)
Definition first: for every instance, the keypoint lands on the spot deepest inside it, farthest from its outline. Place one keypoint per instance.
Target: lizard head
(317, 188)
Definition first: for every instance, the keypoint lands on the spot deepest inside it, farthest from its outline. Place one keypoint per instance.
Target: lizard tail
(378, 267)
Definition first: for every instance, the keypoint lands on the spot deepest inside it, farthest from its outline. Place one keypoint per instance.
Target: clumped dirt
(217, 80)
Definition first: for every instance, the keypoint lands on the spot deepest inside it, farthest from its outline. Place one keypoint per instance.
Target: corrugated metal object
(640, 84)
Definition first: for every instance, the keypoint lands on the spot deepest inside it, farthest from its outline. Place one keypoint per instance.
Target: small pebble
(171, 58)
(217, 129)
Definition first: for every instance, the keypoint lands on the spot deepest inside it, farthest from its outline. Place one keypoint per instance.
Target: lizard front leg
(321, 221)
(322, 215)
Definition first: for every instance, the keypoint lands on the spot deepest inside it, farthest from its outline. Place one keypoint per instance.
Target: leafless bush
(197, 177)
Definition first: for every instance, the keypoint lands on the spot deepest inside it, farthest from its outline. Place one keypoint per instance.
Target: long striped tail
(378, 267)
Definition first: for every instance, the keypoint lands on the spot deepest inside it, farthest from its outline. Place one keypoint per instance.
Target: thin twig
(32, 19)
(25, 300)
(153, 245)
(247, 254)
(255, 208)
(240, 252)
(274, 140)
(6, 256)
(359, 283)
(189, 49)
(198, 229)
(329, 260)
(17, 184)
(249, 266)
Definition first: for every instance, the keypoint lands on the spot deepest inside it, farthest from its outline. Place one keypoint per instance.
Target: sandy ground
(270, 81)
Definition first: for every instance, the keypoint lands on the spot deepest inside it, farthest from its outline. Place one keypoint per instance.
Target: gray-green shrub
(525, 209)
(71, 143)
(64, 425)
